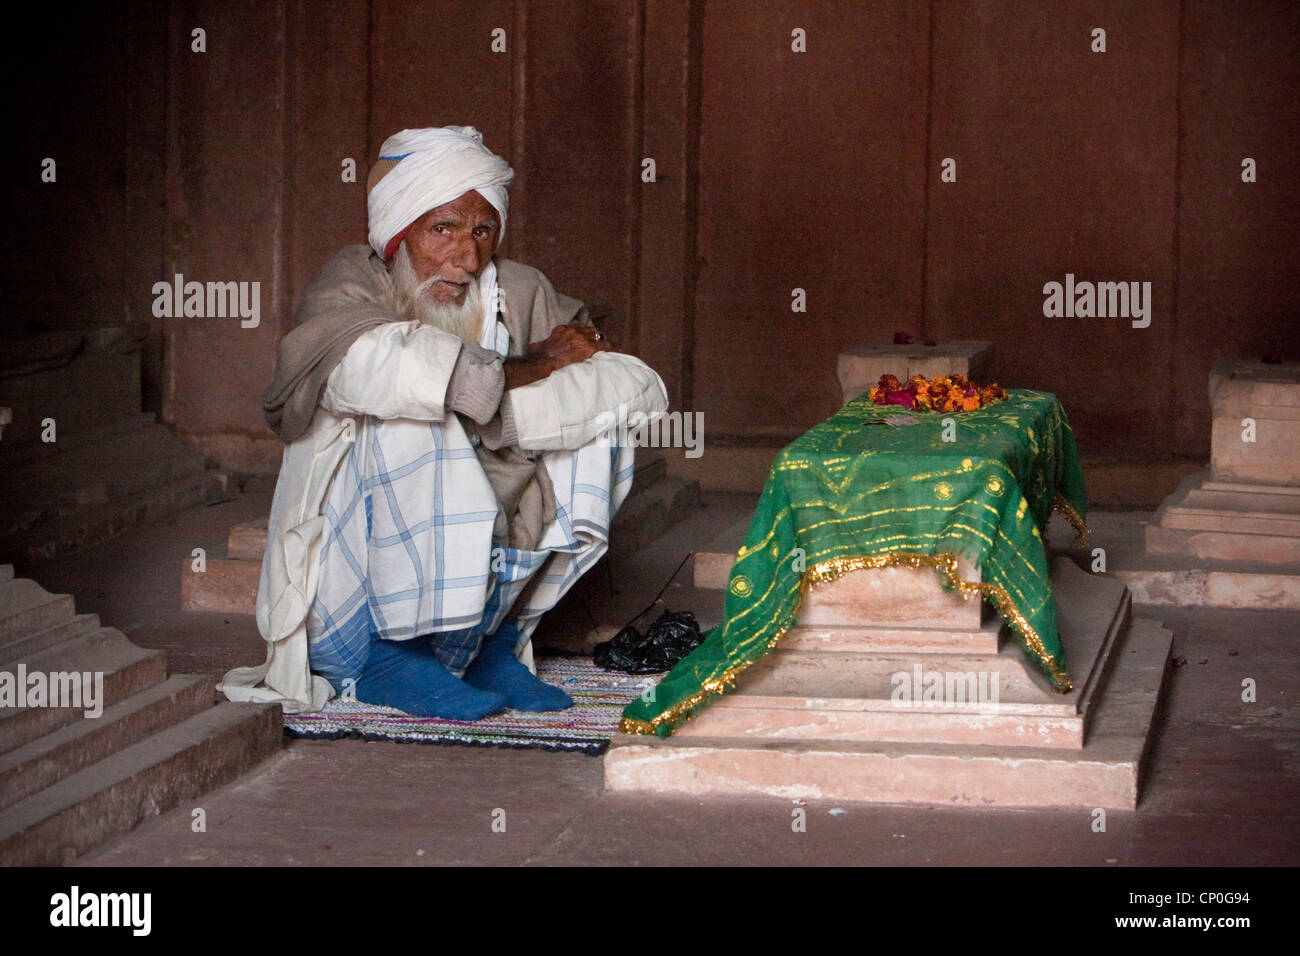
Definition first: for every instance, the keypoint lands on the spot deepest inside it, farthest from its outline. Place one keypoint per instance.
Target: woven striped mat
(599, 697)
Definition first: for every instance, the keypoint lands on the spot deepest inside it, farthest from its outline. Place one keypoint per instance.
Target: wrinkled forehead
(467, 209)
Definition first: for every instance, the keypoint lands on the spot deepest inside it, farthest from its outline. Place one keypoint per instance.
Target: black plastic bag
(664, 643)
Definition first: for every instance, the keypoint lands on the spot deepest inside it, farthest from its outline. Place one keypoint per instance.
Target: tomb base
(842, 710)
(1230, 535)
(1228, 521)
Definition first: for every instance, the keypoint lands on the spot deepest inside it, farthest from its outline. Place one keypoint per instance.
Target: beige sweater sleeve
(477, 383)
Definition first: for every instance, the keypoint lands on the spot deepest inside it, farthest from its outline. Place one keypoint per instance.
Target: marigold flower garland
(944, 393)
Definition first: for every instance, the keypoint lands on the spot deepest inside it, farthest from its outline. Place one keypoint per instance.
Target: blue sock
(406, 675)
(497, 669)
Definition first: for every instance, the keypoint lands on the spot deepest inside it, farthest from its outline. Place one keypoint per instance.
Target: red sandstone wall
(776, 170)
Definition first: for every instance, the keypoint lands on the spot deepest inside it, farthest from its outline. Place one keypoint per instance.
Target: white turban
(421, 169)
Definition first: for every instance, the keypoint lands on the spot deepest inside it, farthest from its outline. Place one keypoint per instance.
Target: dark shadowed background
(775, 170)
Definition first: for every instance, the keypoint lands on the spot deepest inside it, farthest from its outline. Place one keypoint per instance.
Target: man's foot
(497, 669)
(406, 675)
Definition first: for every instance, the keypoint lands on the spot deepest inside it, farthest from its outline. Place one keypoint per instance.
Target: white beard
(412, 301)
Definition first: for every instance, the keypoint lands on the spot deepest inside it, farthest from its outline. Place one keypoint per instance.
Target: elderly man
(449, 471)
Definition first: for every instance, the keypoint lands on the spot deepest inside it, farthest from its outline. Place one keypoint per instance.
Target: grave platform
(823, 715)
(1246, 505)
(1229, 536)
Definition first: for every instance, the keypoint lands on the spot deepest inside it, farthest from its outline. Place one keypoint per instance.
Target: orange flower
(943, 393)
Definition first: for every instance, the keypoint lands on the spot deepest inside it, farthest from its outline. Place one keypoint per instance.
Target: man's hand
(570, 343)
(565, 345)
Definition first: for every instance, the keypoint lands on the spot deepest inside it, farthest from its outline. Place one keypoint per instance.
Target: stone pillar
(1246, 506)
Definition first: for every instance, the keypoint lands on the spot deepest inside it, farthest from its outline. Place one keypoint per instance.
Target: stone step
(247, 541)
(1226, 517)
(1241, 522)
(650, 511)
(126, 668)
(1104, 773)
(1212, 546)
(1212, 524)
(18, 454)
(90, 525)
(111, 797)
(1180, 579)
(84, 475)
(6, 572)
(1253, 488)
(915, 640)
(787, 718)
(649, 466)
(868, 682)
(63, 752)
(228, 586)
(24, 646)
(83, 379)
(26, 608)
(1203, 587)
(1271, 503)
(713, 564)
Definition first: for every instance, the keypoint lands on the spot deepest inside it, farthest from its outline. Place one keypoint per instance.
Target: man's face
(454, 242)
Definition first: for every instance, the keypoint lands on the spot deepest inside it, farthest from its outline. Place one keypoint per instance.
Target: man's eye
(439, 229)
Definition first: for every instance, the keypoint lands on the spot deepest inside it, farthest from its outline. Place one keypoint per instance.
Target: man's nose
(466, 255)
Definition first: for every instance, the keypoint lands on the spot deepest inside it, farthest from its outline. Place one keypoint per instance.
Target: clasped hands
(565, 345)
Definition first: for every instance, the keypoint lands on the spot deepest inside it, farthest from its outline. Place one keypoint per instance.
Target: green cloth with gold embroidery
(854, 494)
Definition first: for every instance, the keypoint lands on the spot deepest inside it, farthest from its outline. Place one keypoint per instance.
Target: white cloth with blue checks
(408, 548)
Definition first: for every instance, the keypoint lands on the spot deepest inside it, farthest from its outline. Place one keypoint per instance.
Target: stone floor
(1221, 785)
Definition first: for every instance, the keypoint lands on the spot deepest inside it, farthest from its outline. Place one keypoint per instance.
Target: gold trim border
(945, 563)
(1059, 503)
